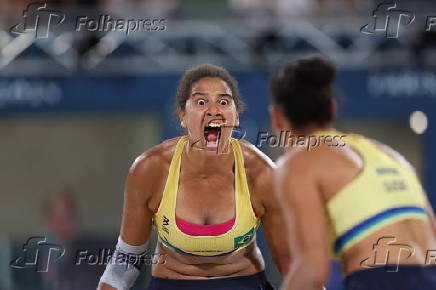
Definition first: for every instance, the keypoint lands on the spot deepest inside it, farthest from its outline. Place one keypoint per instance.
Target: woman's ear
(334, 107)
(181, 118)
(278, 119)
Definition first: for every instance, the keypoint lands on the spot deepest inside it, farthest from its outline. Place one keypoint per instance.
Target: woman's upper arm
(304, 209)
(273, 220)
(140, 185)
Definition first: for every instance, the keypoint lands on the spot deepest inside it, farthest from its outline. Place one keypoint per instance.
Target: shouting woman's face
(210, 114)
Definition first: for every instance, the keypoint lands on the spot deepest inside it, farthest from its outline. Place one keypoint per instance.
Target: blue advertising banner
(376, 94)
(384, 93)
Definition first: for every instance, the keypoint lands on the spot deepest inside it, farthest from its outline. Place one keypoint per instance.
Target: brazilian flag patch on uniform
(244, 240)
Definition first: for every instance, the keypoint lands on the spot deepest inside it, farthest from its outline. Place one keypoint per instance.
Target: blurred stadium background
(76, 108)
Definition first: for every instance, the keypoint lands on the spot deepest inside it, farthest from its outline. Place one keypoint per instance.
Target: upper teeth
(214, 125)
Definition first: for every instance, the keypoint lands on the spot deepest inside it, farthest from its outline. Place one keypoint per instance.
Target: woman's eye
(223, 102)
(201, 102)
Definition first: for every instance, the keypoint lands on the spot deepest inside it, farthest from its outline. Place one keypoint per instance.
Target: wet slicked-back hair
(206, 71)
(303, 88)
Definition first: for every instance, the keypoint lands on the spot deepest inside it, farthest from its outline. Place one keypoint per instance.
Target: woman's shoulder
(392, 153)
(148, 172)
(259, 169)
(156, 159)
(255, 160)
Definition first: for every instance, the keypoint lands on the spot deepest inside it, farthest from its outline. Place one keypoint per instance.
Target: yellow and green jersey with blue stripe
(238, 237)
(384, 192)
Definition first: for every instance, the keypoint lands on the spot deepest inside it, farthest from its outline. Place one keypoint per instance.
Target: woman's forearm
(104, 286)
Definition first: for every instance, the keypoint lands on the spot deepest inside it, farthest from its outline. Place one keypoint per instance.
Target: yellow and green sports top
(240, 233)
(384, 192)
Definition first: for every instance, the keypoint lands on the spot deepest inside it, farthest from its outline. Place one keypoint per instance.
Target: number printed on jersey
(395, 185)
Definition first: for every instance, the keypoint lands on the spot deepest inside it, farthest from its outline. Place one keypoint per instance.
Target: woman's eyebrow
(199, 94)
(225, 95)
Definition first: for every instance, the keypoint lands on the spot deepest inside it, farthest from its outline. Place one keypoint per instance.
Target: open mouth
(212, 133)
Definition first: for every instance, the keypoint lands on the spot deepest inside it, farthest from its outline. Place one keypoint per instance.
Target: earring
(182, 124)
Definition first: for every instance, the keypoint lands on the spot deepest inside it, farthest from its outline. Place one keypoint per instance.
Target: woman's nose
(213, 111)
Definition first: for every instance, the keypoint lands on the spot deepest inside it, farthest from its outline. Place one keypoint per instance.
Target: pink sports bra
(206, 230)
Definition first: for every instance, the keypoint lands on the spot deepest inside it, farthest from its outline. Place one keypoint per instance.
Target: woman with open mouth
(205, 194)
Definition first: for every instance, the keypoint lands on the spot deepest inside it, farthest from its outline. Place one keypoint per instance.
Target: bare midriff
(173, 265)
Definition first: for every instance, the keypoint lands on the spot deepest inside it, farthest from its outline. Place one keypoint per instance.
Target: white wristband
(118, 275)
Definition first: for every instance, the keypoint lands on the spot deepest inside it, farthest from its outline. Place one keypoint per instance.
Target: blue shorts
(253, 282)
(408, 277)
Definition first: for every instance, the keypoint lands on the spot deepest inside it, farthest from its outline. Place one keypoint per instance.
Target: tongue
(212, 136)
